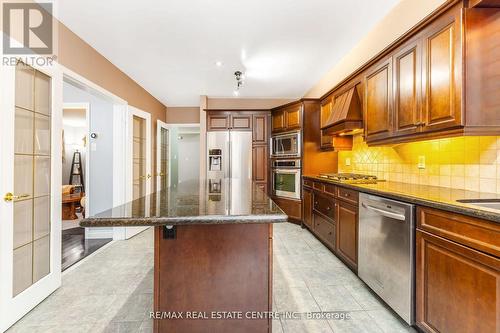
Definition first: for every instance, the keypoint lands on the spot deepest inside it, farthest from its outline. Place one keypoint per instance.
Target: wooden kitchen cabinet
(260, 127)
(259, 167)
(407, 89)
(326, 141)
(307, 200)
(442, 74)
(457, 288)
(241, 122)
(347, 233)
(378, 101)
(324, 229)
(278, 121)
(218, 121)
(287, 117)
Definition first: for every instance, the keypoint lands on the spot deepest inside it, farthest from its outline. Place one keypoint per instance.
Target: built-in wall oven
(286, 145)
(286, 176)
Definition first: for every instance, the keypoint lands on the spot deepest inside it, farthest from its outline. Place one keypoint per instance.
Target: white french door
(139, 156)
(30, 188)
(162, 157)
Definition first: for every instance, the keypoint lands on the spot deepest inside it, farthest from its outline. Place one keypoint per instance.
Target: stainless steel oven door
(286, 183)
(286, 145)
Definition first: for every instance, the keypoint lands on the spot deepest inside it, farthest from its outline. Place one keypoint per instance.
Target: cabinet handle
(420, 123)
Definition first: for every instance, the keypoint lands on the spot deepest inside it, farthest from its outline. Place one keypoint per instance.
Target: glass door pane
(139, 157)
(164, 158)
(32, 172)
(284, 182)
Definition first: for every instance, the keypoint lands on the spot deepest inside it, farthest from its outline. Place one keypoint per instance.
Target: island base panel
(208, 268)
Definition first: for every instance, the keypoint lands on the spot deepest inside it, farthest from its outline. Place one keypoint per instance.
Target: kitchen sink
(486, 203)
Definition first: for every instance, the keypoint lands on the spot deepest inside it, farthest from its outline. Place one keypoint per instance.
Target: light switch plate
(421, 162)
(348, 161)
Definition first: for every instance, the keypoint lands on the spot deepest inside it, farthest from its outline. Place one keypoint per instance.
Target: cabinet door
(217, 122)
(442, 73)
(259, 168)
(326, 110)
(457, 288)
(278, 121)
(260, 129)
(324, 229)
(378, 101)
(307, 207)
(407, 89)
(293, 117)
(241, 122)
(347, 233)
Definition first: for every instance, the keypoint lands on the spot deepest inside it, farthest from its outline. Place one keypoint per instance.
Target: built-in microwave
(286, 178)
(286, 145)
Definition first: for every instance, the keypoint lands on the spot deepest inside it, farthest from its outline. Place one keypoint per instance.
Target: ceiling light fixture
(218, 63)
(239, 82)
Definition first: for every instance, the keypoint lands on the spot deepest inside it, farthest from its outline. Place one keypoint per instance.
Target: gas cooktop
(352, 178)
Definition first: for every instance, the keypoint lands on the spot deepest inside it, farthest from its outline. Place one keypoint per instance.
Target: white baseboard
(98, 233)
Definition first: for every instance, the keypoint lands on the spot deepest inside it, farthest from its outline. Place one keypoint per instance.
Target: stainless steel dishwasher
(386, 251)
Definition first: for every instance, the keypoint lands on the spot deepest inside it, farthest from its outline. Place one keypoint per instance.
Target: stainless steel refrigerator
(229, 154)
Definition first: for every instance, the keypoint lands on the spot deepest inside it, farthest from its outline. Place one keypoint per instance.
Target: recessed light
(218, 63)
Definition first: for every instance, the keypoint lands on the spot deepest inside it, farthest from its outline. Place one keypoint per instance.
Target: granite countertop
(431, 196)
(194, 202)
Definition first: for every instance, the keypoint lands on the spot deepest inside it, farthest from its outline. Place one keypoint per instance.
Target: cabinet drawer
(478, 234)
(330, 189)
(324, 205)
(324, 230)
(318, 186)
(347, 195)
(308, 183)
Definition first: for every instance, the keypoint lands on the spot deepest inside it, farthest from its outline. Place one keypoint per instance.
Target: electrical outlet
(348, 161)
(421, 162)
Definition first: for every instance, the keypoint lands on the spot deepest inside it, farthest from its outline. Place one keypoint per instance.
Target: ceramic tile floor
(111, 291)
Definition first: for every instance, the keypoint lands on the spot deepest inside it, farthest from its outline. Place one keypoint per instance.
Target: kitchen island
(213, 254)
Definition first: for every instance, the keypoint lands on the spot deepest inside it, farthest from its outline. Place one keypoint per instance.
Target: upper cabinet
(442, 74)
(378, 101)
(286, 118)
(439, 79)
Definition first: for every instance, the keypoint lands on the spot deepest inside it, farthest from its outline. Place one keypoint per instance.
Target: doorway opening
(181, 153)
(87, 169)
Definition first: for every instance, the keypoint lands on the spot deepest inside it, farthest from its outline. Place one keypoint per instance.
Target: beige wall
(405, 15)
(183, 115)
(246, 103)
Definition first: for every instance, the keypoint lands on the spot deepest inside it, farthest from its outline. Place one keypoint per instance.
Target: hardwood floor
(75, 247)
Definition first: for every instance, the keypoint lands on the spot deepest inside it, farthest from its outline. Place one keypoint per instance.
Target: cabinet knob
(328, 208)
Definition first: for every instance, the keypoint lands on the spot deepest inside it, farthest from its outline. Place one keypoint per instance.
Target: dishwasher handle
(399, 217)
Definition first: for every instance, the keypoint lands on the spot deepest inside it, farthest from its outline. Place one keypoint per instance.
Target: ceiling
(171, 47)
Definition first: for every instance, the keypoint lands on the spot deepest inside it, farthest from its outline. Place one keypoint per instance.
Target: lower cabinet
(331, 213)
(324, 229)
(457, 289)
(307, 200)
(347, 233)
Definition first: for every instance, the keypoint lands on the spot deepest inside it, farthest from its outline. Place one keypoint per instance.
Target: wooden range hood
(346, 117)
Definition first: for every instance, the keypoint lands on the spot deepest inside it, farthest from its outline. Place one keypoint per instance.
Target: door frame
(159, 126)
(169, 126)
(85, 106)
(129, 232)
(14, 308)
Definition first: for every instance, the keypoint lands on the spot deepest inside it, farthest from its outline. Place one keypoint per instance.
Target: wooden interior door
(30, 185)
(442, 74)
(378, 101)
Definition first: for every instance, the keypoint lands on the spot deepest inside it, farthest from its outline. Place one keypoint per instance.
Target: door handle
(9, 196)
(385, 213)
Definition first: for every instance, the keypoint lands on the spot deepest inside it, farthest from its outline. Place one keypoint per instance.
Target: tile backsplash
(471, 162)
